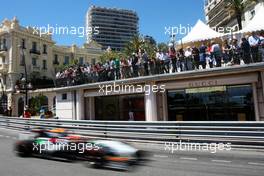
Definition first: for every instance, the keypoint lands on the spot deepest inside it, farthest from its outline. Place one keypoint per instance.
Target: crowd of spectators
(227, 53)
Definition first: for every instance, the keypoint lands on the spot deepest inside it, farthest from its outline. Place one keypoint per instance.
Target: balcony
(34, 51)
(3, 67)
(3, 49)
(36, 68)
(55, 62)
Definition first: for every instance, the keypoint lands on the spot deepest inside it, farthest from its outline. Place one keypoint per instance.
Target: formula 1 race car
(56, 143)
(59, 144)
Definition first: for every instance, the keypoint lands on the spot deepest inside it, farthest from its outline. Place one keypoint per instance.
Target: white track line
(187, 158)
(258, 164)
(160, 156)
(221, 161)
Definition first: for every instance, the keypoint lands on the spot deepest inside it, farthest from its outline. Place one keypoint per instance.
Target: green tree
(150, 48)
(134, 45)
(139, 42)
(107, 55)
(35, 103)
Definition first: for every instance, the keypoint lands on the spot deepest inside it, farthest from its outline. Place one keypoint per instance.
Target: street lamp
(24, 85)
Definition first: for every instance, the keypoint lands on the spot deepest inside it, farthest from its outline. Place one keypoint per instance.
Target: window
(64, 96)
(252, 13)
(34, 61)
(3, 60)
(22, 60)
(93, 60)
(44, 65)
(23, 43)
(3, 44)
(81, 60)
(220, 103)
(66, 60)
(34, 46)
(44, 49)
(56, 61)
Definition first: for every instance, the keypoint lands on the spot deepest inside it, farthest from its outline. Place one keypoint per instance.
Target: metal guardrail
(241, 134)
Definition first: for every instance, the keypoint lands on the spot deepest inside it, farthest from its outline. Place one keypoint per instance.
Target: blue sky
(154, 15)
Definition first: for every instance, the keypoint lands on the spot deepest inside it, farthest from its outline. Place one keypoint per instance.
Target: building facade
(218, 94)
(116, 26)
(22, 48)
(219, 17)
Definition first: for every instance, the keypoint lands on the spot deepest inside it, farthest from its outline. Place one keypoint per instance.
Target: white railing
(240, 134)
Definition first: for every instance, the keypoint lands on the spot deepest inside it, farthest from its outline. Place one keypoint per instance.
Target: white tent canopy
(256, 24)
(200, 32)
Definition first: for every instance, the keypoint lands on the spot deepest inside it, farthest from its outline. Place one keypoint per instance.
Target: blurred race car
(55, 143)
(114, 155)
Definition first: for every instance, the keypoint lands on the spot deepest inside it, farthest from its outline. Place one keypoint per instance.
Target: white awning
(200, 32)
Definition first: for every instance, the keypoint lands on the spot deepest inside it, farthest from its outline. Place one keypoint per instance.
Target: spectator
(172, 55)
(166, 59)
(181, 59)
(195, 55)
(235, 52)
(188, 56)
(26, 113)
(216, 54)
(159, 56)
(135, 65)
(245, 50)
(202, 54)
(117, 68)
(262, 45)
(145, 60)
(140, 63)
(152, 64)
(226, 52)
(254, 42)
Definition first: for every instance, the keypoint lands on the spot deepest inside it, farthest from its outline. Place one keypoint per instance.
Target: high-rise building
(218, 15)
(116, 26)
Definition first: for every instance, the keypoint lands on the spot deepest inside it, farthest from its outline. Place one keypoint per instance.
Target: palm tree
(237, 7)
(139, 42)
(134, 45)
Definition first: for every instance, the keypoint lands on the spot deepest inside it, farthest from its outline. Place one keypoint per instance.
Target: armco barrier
(241, 134)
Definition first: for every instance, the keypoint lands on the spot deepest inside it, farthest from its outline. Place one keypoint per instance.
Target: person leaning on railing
(226, 49)
(245, 50)
(235, 48)
(172, 55)
(196, 58)
(139, 64)
(254, 42)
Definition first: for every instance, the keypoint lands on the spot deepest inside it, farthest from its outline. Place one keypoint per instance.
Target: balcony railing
(55, 62)
(3, 48)
(34, 51)
(36, 68)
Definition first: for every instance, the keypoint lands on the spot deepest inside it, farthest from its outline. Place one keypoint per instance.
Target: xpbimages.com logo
(63, 146)
(124, 88)
(79, 31)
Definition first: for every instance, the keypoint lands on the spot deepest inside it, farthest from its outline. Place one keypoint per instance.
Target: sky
(156, 17)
